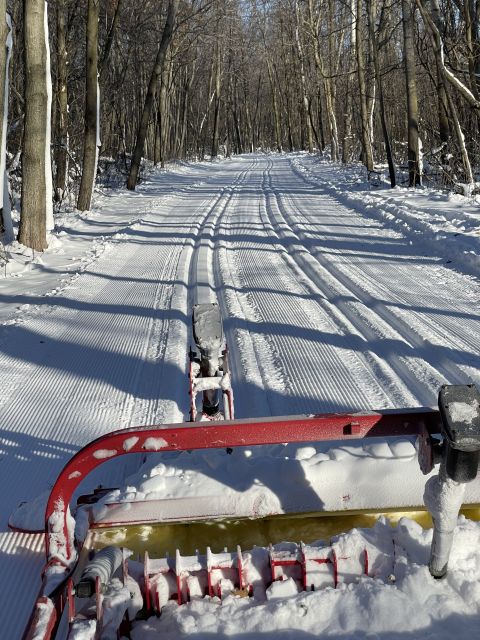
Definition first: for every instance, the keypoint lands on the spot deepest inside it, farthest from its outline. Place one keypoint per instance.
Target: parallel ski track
(203, 284)
(253, 360)
(384, 352)
(391, 293)
(460, 306)
(295, 374)
(358, 326)
(377, 382)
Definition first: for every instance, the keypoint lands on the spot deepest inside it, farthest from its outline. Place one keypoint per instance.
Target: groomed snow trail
(324, 309)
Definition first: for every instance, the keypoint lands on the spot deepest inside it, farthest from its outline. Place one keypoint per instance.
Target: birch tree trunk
(437, 42)
(442, 99)
(36, 140)
(6, 227)
(348, 115)
(151, 94)
(327, 82)
(467, 167)
(371, 8)
(92, 104)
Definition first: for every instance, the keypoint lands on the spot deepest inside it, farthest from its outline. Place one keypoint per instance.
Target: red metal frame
(41, 619)
(224, 434)
(208, 435)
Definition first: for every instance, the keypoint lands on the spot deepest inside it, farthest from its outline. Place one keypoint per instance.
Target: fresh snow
(334, 297)
(463, 411)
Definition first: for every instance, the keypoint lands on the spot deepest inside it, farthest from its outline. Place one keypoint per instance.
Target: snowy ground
(334, 297)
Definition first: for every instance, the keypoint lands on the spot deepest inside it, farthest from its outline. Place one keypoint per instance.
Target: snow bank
(271, 479)
(444, 223)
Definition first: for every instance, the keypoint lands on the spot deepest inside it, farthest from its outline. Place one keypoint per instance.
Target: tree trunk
(181, 151)
(468, 14)
(276, 113)
(467, 167)
(36, 141)
(216, 109)
(109, 41)
(365, 123)
(442, 100)
(161, 129)
(330, 89)
(414, 174)
(6, 227)
(92, 124)
(373, 39)
(348, 114)
(438, 47)
(151, 94)
(61, 147)
(327, 83)
(303, 84)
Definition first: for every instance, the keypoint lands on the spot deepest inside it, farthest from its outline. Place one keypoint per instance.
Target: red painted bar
(236, 433)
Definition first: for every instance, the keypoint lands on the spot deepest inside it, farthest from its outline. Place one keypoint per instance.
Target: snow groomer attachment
(92, 587)
(209, 372)
(460, 412)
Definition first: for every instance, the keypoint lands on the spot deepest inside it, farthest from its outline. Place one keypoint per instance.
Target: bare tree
(151, 93)
(6, 227)
(61, 146)
(91, 143)
(414, 172)
(371, 13)
(362, 86)
(303, 82)
(36, 172)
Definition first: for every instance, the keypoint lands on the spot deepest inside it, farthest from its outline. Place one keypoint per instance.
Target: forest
(93, 91)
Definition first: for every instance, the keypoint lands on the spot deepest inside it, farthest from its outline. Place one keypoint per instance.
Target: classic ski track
(193, 262)
(470, 327)
(252, 357)
(305, 389)
(371, 325)
(208, 268)
(424, 294)
(415, 329)
(396, 378)
(408, 325)
(202, 271)
(384, 388)
(380, 384)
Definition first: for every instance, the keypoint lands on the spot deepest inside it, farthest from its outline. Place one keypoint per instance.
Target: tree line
(393, 82)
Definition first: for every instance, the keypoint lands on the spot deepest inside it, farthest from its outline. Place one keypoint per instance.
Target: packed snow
(463, 411)
(335, 296)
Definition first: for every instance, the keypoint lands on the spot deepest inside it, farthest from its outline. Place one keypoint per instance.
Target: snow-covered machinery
(89, 591)
(209, 372)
